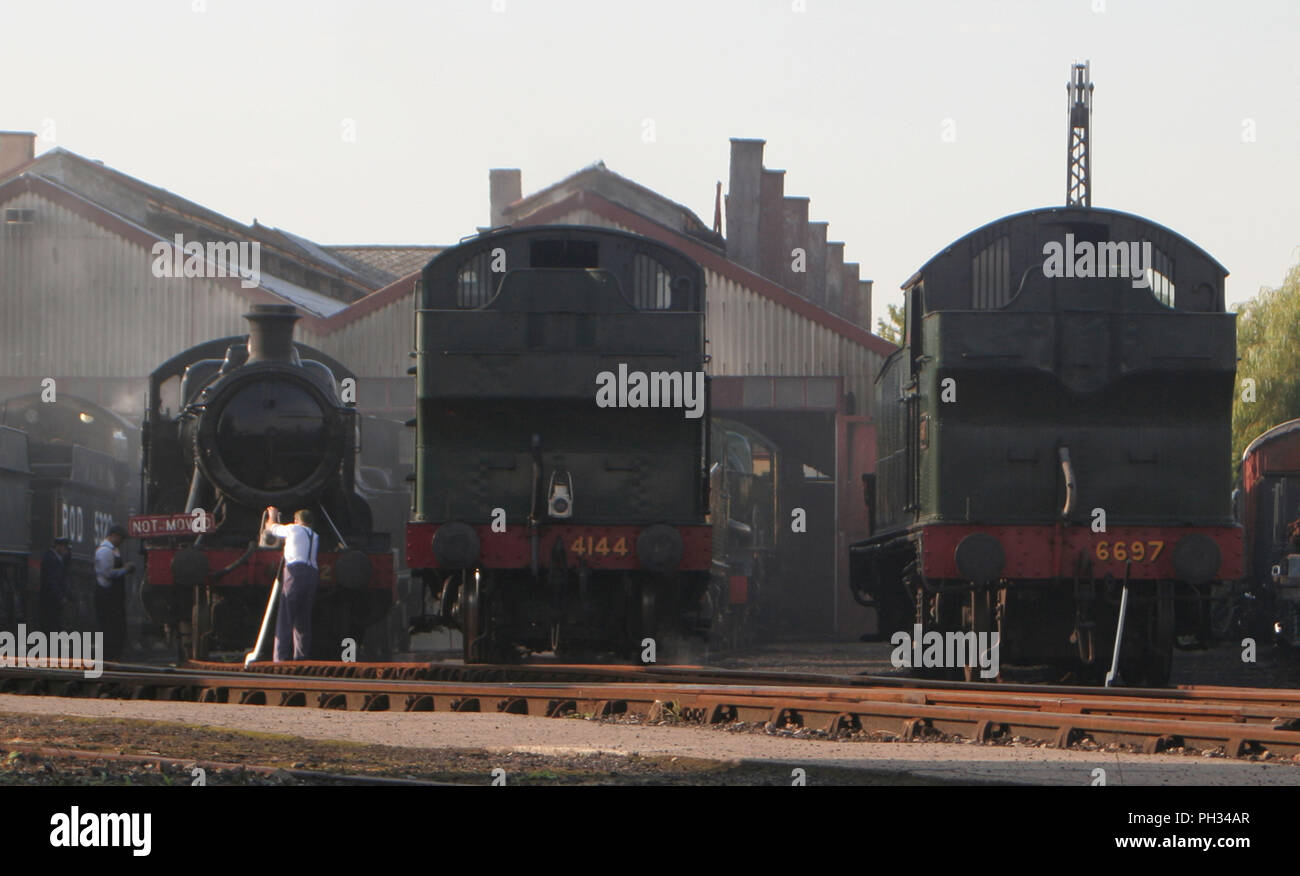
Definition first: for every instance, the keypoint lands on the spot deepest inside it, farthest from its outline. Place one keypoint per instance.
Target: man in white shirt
(298, 581)
(110, 595)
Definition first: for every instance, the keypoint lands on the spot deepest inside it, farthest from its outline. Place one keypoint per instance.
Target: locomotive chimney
(270, 332)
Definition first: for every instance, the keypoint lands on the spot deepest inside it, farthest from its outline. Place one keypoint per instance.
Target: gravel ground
(287, 753)
(467, 747)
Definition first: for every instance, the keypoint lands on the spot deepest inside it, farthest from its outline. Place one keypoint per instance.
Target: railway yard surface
(86, 740)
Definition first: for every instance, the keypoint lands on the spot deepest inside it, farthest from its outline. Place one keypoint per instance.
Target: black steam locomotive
(235, 425)
(561, 472)
(748, 556)
(1267, 605)
(64, 472)
(15, 512)
(1055, 430)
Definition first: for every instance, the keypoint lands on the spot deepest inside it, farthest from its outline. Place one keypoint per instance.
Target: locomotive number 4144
(1137, 551)
(585, 544)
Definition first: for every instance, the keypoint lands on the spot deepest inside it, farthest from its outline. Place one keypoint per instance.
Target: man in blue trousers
(298, 581)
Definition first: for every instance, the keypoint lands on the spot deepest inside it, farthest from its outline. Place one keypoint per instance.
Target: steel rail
(708, 675)
(1231, 703)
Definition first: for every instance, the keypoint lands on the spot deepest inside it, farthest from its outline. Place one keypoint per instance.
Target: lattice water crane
(1078, 184)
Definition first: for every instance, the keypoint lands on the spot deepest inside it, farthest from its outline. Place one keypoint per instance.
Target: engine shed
(789, 344)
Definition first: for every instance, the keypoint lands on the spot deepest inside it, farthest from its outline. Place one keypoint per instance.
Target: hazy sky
(246, 107)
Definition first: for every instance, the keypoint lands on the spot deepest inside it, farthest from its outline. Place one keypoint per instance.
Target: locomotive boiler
(233, 426)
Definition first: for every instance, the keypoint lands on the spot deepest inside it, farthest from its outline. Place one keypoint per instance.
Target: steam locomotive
(1052, 435)
(64, 472)
(1270, 511)
(15, 532)
(561, 475)
(234, 425)
(748, 555)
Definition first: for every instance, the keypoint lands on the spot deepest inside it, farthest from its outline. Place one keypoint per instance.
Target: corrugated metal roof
(152, 207)
(315, 251)
(313, 302)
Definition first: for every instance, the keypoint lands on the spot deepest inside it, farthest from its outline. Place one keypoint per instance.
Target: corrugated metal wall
(751, 334)
(77, 300)
(378, 344)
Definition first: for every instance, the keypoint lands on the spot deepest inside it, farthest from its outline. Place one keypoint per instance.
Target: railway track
(685, 674)
(1239, 721)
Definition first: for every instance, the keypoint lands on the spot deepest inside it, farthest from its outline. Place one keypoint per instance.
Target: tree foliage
(892, 330)
(1268, 347)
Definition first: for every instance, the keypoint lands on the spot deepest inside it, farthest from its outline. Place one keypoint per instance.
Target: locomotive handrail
(342, 542)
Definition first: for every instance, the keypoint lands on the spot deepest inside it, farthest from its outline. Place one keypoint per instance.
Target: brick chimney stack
(771, 226)
(795, 236)
(834, 277)
(743, 192)
(849, 308)
(16, 149)
(765, 228)
(864, 304)
(817, 232)
(505, 186)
